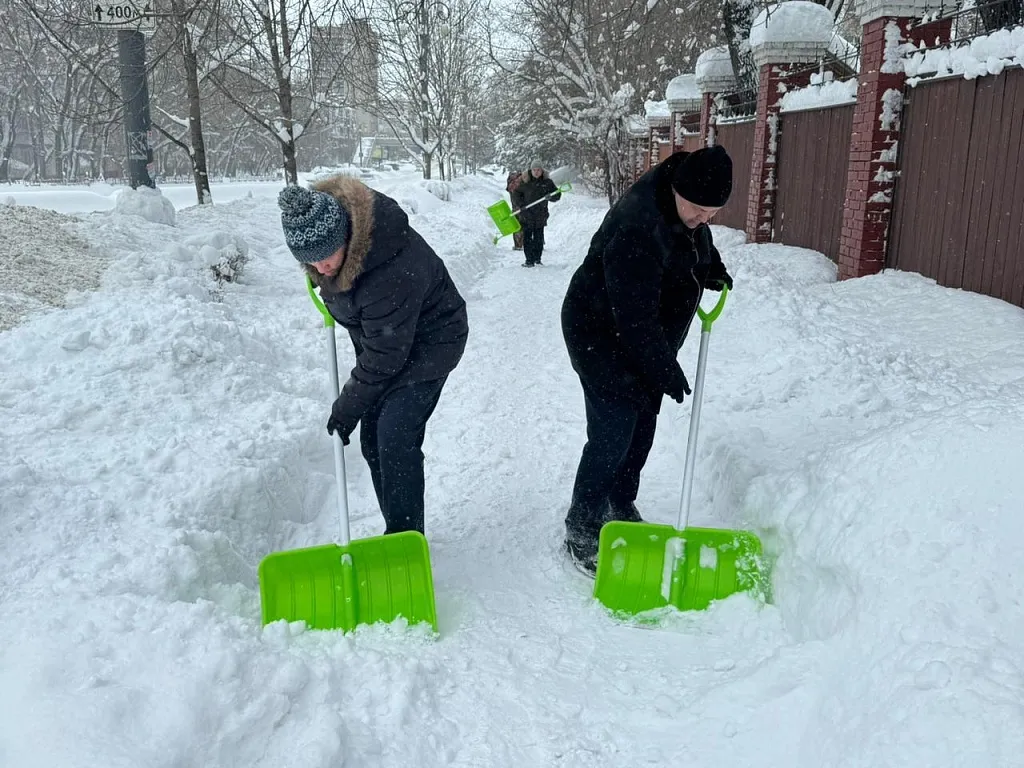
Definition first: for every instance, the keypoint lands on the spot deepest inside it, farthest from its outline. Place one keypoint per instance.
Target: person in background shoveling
(386, 286)
(535, 185)
(511, 184)
(624, 318)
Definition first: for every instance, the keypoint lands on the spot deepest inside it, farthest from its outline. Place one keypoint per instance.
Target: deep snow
(161, 435)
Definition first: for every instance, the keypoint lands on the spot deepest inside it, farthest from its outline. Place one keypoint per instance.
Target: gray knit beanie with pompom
(315, 224)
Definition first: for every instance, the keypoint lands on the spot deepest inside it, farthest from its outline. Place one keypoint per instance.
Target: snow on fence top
(821, 93)
(987, 55)
(796, 21)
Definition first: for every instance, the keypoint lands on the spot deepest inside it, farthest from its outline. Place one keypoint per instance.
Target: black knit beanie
(704, 177)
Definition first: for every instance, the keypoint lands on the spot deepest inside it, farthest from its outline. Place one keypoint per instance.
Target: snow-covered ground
(163, 433)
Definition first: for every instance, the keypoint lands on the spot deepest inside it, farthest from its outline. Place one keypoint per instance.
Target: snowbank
(44, 262)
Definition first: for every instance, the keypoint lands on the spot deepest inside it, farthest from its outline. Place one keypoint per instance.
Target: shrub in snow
(439, 189)
(223, 254)
(146, 202)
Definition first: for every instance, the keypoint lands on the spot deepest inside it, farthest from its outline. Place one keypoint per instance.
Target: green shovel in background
(357, 582)
(505, 219)
(645, 566)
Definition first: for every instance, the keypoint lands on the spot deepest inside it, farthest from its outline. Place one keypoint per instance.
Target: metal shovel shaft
(339, 448)
(706, 320)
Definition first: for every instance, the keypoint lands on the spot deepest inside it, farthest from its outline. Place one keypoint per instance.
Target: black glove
(718, 278)
(341, 422)
(679, 389)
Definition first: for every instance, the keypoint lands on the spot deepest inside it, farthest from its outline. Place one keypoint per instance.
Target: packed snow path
(159, 438)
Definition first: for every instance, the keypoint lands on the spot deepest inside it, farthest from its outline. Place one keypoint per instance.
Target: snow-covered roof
(795, 21)
(713, 72)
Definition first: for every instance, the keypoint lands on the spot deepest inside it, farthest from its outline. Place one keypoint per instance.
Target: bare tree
(262, 55)
(588, 65)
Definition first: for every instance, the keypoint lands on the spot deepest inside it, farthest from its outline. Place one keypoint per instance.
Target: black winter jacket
(394, 296)
(530, 190)
(630, 304)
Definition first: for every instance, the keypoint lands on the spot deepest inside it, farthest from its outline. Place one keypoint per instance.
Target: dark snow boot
(625, 511)
(581, 546)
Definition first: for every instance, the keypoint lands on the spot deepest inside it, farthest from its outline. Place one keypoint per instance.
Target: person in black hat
(387, 287)
(625, 316)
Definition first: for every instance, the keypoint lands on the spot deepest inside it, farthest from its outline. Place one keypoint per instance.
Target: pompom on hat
(315, 224)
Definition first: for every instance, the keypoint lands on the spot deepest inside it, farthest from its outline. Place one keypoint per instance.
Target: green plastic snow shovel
(645, 566)
(357, 582)
(504, 217)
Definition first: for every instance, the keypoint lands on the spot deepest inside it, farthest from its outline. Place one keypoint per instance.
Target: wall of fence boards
(958, 209)
(814, 149)
(738, 140)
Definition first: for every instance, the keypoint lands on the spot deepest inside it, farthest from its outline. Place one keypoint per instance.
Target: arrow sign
(124, 14)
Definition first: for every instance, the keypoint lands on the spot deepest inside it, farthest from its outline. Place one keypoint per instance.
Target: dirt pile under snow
(42, 260)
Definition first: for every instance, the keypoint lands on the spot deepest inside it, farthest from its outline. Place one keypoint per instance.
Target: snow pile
(821, 93)
(796, 21)
(43, 262)
(987, 55)
(146, 202)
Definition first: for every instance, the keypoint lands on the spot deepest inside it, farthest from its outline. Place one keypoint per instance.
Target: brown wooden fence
(958, 210)
(738, 140)
(814, 149)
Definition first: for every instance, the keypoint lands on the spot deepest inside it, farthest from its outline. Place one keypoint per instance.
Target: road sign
(124, 14)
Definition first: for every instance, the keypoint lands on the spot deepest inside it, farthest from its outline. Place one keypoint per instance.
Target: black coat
(530, 190)
(394, 296)
(630, 304)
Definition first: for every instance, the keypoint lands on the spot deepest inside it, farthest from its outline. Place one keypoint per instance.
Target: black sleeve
(552, 187)
(633, 278)
(390, 313)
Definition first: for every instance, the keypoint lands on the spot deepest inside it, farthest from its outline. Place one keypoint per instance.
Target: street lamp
(422, 8)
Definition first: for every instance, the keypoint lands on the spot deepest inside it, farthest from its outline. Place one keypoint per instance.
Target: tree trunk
(195, 120)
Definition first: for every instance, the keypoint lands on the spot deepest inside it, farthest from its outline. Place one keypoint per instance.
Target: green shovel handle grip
(328, 320)
(707, 318)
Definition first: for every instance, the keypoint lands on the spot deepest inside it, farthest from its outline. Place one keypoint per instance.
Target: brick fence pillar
(714, 76)
(871, 172)
(782, 64)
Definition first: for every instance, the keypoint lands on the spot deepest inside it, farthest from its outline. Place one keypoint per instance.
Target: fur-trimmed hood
(364, 209)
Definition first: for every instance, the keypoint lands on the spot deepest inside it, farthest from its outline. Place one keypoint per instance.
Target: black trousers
(391, 437)
(619, 440)
(533, 244)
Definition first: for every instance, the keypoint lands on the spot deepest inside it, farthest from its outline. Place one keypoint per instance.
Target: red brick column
(871, 173)
(764, 161)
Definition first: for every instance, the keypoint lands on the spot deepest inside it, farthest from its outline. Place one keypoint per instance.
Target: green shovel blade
(501, 215)
(645, 566)
(371, 580)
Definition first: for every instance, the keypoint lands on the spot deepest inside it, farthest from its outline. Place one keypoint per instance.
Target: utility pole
(131, 54)
(132, 19)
